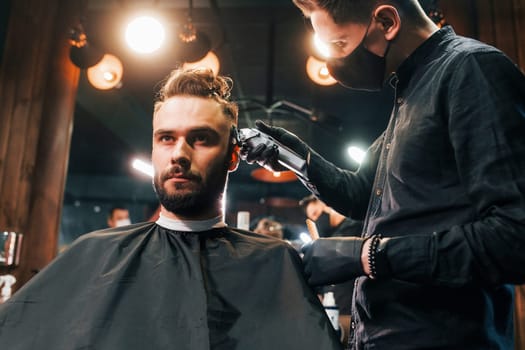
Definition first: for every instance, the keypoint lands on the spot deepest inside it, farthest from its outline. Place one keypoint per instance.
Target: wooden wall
(38, 87)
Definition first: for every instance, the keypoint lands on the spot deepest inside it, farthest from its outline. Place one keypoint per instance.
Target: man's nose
(181, 152)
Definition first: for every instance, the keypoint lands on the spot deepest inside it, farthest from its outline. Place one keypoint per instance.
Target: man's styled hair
(359, 11)
(200, 83)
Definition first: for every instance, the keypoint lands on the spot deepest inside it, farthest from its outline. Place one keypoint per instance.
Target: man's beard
(204, 196)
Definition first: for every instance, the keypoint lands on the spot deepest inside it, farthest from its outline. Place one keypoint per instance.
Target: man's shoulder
(463, 49)
(115, 234)
(256, 239)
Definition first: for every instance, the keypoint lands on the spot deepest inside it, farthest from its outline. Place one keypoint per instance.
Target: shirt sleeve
(485, 102)
(346, 191)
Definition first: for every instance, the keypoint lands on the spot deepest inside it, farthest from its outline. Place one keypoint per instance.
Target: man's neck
(190, 225)
(196, 216)
(408, 41)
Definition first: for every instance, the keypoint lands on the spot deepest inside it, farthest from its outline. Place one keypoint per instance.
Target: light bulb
(106, 74)
(318, 72)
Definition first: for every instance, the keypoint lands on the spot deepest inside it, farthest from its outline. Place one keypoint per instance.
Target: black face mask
(361, 69)
(323, 225)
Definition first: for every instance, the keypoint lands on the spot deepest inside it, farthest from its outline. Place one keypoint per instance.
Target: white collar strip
(191, 225)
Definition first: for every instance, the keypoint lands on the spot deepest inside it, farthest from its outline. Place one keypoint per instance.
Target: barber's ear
(235, 159)
(389, 19)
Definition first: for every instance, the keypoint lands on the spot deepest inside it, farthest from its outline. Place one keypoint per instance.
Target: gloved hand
(266, 154)
(333, 260)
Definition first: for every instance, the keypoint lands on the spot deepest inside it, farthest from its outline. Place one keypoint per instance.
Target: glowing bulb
(323, 72)
(106, 74)
(145, 34)
(109, 76)
(276, 174)
(357, 154)
(318, 72)
(305, 237)
(143, 167)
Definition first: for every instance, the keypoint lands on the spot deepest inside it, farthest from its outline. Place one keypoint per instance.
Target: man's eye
(165, 138)
(339, 44)
(200, 139)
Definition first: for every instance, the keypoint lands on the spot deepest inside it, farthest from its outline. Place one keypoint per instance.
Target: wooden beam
(37, 97)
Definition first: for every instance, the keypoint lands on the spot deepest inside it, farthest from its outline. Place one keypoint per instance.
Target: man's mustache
(178, 171)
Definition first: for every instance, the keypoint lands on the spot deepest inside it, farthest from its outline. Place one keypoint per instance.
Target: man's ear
(235, 159)
(388, 18)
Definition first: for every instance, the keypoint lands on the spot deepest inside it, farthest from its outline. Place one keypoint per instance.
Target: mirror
(10, 243)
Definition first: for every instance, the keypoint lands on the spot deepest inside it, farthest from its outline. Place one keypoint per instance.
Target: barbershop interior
(78, 83)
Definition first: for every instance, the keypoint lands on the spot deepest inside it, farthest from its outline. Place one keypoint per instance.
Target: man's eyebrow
(163, 132)
(191, 130)
(202, 129)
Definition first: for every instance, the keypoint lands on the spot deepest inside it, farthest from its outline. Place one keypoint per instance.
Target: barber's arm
(343, 190)
(336, 260)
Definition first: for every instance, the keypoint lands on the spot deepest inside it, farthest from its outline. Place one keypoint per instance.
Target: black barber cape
(149, 288)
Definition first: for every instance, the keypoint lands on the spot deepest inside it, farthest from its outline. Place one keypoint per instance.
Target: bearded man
(186, 281)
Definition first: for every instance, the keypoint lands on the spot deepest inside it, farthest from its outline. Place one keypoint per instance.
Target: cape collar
(191, 225)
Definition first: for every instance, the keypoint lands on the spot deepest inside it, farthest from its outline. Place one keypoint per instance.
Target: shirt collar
(406, 69)
(191, 225)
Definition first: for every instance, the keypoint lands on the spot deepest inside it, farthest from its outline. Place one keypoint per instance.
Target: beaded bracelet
(372, 250)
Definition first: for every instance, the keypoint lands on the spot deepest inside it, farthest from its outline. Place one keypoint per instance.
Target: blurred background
(125, 48)
(264, 45)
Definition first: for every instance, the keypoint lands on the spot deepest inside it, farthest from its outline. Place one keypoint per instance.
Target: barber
(441, 191)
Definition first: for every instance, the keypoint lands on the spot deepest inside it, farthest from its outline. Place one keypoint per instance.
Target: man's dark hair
(303, 203)
(113, 208)
(344, 11)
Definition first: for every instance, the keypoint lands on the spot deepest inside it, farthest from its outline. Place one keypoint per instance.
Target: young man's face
(119, 217)
(191, 139)
(314, 210)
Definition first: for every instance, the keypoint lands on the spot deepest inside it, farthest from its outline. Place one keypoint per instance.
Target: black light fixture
(104, 71)
(193, 47)
(82, 53)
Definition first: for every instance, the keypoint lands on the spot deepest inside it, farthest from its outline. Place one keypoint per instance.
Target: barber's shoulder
(464, 50)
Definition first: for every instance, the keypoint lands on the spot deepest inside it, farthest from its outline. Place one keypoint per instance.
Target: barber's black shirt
(446, 181)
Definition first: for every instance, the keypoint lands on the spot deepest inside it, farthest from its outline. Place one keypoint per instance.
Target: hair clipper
(252, 137)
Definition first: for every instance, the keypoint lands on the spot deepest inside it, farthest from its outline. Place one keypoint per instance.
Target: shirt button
(388, 145)
(352, 325)
(378, 192)
(399, 100)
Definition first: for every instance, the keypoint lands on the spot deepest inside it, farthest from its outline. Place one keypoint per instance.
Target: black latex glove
(332, 260)
(266, 154)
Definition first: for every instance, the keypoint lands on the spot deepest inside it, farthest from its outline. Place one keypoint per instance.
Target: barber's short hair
(200, 83)
(341, 11)
(359, 11)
